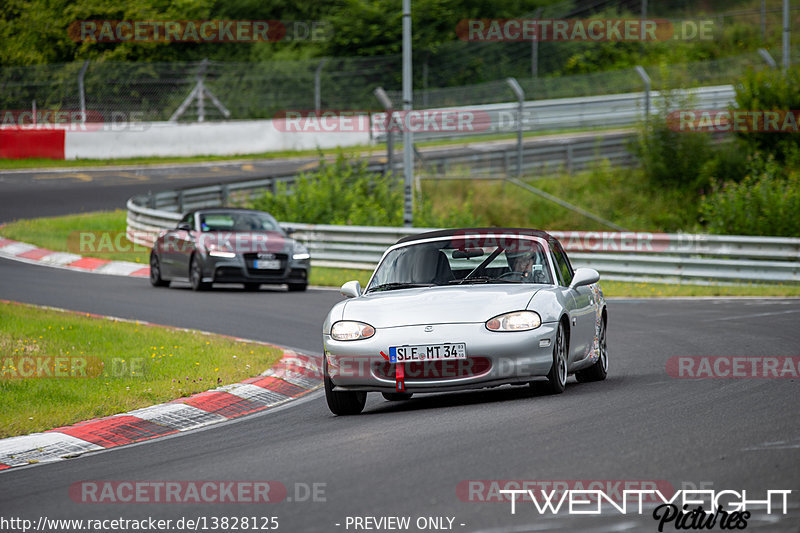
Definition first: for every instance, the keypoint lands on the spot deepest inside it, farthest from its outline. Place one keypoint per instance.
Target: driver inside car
(527, 268)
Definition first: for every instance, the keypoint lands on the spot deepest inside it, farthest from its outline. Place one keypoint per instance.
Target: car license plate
(267, 264)
(427, 352)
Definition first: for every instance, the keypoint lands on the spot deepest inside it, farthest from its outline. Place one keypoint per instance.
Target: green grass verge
(118, 366)
(58, 232)
(105, 229)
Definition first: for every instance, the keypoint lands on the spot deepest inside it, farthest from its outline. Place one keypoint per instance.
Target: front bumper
(493, 358)
(239, 270)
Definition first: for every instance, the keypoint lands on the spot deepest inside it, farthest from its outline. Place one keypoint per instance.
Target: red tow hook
(399, 375)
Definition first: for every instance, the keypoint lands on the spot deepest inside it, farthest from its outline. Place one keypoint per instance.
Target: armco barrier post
(520, 94)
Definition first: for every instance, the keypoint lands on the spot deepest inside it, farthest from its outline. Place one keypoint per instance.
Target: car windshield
(457, 262)
(233, 221)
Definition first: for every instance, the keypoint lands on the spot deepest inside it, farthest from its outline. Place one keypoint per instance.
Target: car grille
(436, 370)
(250, 259)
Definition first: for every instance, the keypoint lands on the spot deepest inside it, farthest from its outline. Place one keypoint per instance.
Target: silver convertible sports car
(224, 245)
(463, 309)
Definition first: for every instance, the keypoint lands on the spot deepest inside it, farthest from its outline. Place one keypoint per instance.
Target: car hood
(438, 305)
(246, 241)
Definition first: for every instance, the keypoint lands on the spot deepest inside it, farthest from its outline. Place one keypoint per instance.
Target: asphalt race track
(409, 459)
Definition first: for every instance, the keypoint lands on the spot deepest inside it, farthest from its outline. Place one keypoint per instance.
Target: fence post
(81, 91)
(646, 79)
(318, 84)
(535, 48)
(520, 107)
(386, 102)
(786, 34)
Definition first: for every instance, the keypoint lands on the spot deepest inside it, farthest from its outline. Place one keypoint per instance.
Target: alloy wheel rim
(603, 352)
(195, 273)
(562, 361)
(154, 271)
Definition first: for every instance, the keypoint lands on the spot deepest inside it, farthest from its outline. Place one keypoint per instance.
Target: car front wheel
(155, 272)
(557, 377)
(196, 276)
(342, 403)
(599, 370)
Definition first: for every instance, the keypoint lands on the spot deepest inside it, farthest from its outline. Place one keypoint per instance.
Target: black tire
(557, 377)
(155, 272)
(599, 370)
(252, 287)
(297, 287)
(342, 403)
(397, 396)
(196, 276)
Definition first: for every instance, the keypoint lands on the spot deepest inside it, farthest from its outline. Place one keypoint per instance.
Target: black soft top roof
(459, 232)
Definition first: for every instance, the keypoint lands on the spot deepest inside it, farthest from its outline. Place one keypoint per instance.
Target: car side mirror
(584, 276)
(351, 289)
(289, 231)
(184, 226)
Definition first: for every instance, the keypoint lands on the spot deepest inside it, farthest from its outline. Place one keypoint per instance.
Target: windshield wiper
(482, 279)
(395, 285)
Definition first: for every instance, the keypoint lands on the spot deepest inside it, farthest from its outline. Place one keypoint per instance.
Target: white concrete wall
(148, 139)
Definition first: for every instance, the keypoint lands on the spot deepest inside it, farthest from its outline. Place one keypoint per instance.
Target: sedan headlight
(349, 330)
(516, 321)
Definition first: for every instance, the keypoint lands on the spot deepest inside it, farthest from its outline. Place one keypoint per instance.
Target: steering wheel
(520, 275)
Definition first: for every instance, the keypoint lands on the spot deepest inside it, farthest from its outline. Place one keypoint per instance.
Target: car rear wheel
(155, 272)
(196, 276)
(397, 396)
(297, 287)
(599, 370)
(557, 377)
(342, 403)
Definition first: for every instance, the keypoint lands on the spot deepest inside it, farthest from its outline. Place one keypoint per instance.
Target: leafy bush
(673, 158)
(770, 90)
(765, 202)
(346, 192)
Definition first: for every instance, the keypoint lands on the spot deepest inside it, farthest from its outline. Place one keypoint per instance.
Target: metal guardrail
(612, 110)
(540, 157)
(616, 255)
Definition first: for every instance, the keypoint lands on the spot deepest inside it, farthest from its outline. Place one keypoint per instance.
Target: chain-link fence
(155, 91)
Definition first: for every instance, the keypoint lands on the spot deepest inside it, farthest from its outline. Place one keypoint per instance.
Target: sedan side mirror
(351, 289)
(184, 226)
(584, 276)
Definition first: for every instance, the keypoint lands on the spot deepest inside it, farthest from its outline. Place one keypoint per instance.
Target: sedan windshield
(451, 262)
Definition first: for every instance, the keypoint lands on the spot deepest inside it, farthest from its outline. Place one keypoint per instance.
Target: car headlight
(300, 253)
(217, 251)
(350, 330)
(516, 321)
